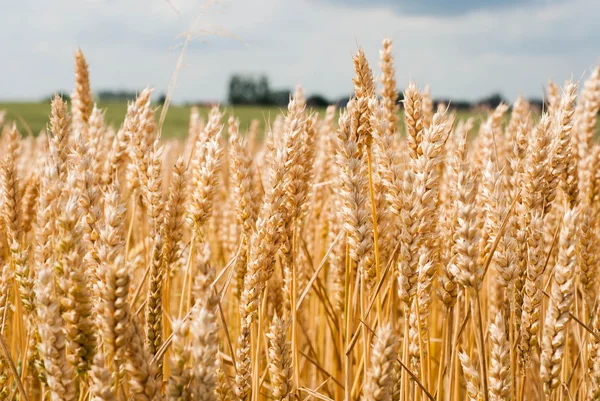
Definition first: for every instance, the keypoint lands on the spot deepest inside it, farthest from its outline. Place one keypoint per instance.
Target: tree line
(256, 90)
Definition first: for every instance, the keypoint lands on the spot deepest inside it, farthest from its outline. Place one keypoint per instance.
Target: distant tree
(342, 102)
(248, 89)
(280, 97)
(452, 104)
(317, 101)
(262, 92)
(237, 91)
(460, 105)
(400, 97)
(162, 98)
(492, 101)
(65, 96)
(537, 104)
(109, 95)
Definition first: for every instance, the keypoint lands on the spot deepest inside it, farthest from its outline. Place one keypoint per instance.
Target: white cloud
(134, 43)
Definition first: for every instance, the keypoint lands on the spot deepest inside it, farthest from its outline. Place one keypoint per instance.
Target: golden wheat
(304, 267)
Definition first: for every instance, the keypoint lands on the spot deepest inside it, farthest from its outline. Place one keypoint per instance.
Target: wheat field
(340, 258)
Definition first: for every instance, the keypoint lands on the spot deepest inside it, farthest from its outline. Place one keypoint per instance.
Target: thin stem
(440, 376)
(479, 339)
(513, 359)
(295, 364)
(365, 333)
(375, 231)
(405, 390)
(130, 230)
(420, 336)
(186, 275)
(348, 328)
(453, 365)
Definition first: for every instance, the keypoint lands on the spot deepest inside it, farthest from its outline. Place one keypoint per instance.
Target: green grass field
(33, 117)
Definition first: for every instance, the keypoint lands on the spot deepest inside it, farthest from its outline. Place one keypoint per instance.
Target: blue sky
(463, 48)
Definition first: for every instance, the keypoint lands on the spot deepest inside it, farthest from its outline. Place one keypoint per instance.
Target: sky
(464, 49)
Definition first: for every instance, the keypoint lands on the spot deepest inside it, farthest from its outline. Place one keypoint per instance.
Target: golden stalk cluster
(349, 260)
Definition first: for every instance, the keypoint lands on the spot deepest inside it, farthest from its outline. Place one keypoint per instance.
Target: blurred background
(251, 54)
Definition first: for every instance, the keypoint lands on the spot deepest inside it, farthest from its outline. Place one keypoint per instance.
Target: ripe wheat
(304, 266)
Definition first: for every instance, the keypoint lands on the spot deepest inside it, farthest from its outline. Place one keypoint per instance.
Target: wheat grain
(309, 256)
(561, 298)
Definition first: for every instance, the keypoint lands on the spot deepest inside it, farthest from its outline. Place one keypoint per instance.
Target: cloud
(441, 8)
(132, 44)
